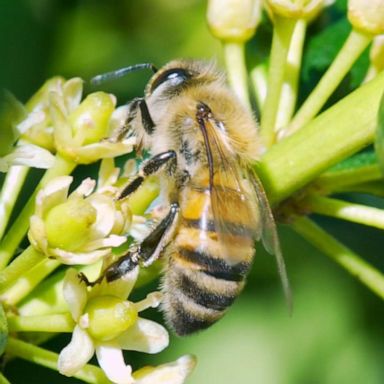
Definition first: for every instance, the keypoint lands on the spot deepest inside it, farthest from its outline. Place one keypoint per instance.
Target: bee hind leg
(145, 253)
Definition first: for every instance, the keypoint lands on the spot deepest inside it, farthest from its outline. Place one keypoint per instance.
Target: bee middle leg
(150, 167)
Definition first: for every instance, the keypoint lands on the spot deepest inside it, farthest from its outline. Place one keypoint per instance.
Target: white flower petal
(111, 241)
(35, 117)
(130, 168)
(76, 354)
(111, 360)
(118, 118)
(108, 173)
(105, 214)
(120, 287)
(93, 152)
(72, 91)
(36, 233)
(82, 258)
(75, 293)
(54, 193)
(85, 188)
(29, 155)
(171, 373)
(144, 336)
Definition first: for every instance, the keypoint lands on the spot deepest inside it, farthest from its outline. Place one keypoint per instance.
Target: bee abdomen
(198, 294)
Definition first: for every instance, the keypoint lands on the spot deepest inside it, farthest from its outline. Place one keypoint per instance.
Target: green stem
(28, 281)
(17, 348)
(337, 133)
(349, 53)
(10, 191)
(375, 188)
(237, 71)
(291, 79)
(336, 180)
(282, 33)
(47, 298)
(259, 83)
(344, 210)
(20, 265)
(19, 228)
(50, 323)
(350, 261)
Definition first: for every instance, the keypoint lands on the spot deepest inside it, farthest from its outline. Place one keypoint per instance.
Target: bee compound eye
(173, 76)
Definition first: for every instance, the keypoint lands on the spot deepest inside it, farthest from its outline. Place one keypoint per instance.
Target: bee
(204, 143)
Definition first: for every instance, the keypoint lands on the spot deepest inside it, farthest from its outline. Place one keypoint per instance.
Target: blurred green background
(335, 334)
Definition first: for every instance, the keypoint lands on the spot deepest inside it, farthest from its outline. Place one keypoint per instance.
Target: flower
(233, 20)
(80, 135)
(15, 152)
(80, 228)
(296, 9)
(367, 17)
(106, 323)
(37, 127)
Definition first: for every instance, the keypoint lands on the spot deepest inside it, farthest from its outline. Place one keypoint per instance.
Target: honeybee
(204, 144)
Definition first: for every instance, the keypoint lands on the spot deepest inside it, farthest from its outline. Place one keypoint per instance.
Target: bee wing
(246, 205)
(232, 202)
(269, 234)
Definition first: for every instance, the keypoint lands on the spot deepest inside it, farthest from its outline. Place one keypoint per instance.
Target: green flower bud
(233, 20)
(68, 224)
(90, 120)
(367, 16)
(109, 316)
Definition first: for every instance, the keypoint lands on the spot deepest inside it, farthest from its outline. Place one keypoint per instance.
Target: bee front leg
(146, 252)
(150, 167)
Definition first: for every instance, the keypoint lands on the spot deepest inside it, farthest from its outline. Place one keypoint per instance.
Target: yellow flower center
(109, 316)
(67, 225)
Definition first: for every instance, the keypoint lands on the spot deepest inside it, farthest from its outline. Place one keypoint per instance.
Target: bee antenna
(122, 72)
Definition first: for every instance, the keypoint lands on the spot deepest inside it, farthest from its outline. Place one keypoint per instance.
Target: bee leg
(146, 118)
(150, 167)
(146, 252)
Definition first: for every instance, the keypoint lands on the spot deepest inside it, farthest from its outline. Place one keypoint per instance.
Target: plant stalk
(282, 34)
(349, 53)
(13, 183)
(366, 273)
(344, 210)
(337, 133)
(237, 71)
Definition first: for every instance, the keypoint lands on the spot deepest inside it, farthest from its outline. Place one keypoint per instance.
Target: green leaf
(379, 141)
(3, 330)
(359, 160)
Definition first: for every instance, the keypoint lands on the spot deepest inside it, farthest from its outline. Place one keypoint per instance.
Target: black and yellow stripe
(200, 282)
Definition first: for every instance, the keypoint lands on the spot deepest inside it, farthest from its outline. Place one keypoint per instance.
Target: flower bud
(367, 16)
(109, 316)
(233, 20)
(68, 224)
(90, 121)
(296, 9)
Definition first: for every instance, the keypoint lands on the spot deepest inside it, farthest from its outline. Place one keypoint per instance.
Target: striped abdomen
(207, 262)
